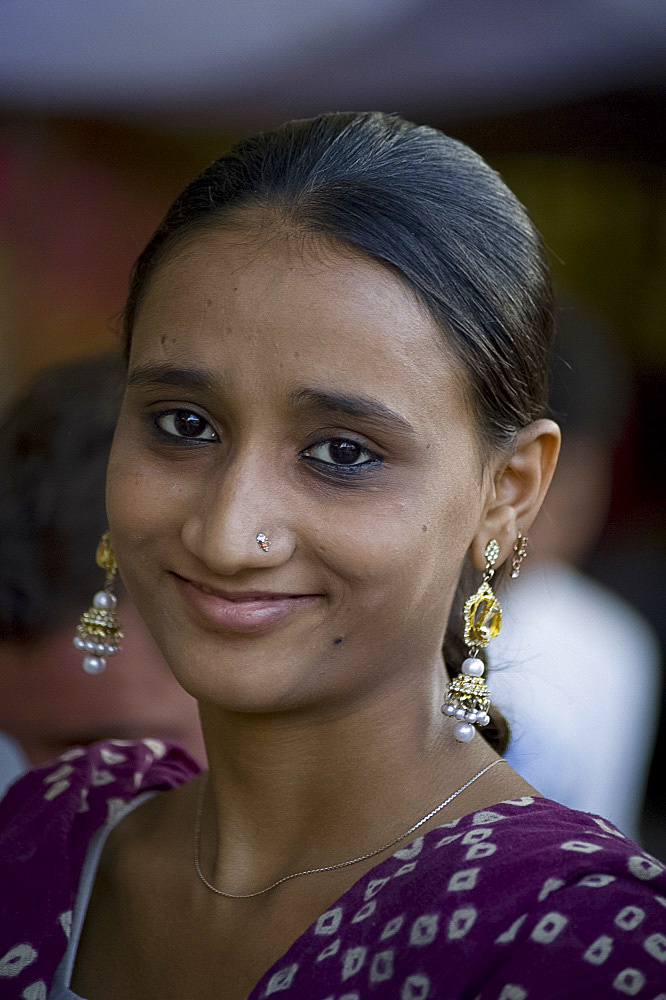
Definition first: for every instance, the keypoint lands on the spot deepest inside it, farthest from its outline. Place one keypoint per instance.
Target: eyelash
(331, 469)
(326, 468)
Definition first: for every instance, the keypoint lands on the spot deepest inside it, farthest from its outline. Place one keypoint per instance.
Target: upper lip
(242, 595)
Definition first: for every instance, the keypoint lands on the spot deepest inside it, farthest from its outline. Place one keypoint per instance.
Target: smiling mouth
(240, 611)
(245, 595)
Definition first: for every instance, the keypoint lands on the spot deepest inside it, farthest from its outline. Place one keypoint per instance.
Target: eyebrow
(157, 374)
(356, 406)
(322, 400)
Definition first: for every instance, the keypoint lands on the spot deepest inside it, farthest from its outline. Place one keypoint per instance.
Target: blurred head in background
(54, 446)
(589, 397)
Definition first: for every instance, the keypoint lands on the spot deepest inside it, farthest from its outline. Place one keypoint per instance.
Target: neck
(289, 791)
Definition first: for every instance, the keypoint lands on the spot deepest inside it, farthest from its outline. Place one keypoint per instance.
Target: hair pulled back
(428, 206)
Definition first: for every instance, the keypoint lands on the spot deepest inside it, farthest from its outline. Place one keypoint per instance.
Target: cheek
(406, 554)
(142, 503)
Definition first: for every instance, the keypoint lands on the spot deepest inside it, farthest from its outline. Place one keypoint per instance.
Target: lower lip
(241, 616)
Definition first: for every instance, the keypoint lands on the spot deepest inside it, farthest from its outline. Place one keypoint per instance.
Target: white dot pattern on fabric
(524, 800)
(100, 777)
(549, 927)
(366, 911)
(60, 772)
(111, 757)
(463, 880)
(424, 930)
(509, 935)
(282, 980)
(374, 886)
(411, 851)
(599, 950)
(607, 827)
(416, 987)
(405, 869)
(449, 839)
(156, 747)
(329, 922)
(629, 918)
(655, 945)
(475, 836)
(629, 981)
(486, 816)
(550, 885)
(329, 951)
(72, 754)
(36, 991)
(381, 969)
(644, 868)
(53, 791)
(353, 961)
(392, 927)
(480, 851)
(461, 923)
(511, 991)
(16, 960)
(581, 846)
(406, 930)
(597, 881)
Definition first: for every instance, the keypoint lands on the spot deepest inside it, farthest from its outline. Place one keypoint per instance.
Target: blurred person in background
(54, 448)
(575, 668)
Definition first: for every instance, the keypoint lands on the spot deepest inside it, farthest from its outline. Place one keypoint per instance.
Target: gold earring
(519, 553)
(98, 633)
(467, 696)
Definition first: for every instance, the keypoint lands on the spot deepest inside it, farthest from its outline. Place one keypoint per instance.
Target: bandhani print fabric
(526, 900)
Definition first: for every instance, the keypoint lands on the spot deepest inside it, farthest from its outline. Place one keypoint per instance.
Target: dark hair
(423, 203)
(54, 447)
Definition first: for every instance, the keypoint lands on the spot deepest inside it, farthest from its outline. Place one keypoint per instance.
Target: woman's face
(309, 397)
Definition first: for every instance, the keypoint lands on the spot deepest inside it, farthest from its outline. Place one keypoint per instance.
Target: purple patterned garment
(526, 899)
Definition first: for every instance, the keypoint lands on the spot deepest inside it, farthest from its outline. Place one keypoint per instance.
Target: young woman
(337, 348)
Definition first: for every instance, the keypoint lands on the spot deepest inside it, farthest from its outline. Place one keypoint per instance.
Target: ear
(517, 489)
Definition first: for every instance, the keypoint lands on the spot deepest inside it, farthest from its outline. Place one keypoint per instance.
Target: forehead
(296, 312)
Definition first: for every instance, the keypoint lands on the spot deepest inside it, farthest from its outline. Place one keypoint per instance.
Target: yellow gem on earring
(483, 617)
(104, 556)
(483, 614)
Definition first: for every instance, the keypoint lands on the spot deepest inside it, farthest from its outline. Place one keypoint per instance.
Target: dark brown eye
(341, 452)
(185, 424)
(344, 452)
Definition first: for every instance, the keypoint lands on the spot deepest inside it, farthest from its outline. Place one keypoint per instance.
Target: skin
(319, 749)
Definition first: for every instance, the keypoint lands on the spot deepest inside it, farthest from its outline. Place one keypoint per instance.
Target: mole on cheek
(336, 642)
(424, 527)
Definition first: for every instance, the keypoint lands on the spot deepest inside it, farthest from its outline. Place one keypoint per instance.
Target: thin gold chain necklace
(326, 868)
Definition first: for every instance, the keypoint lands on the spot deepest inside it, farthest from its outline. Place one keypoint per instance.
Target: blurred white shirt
(13, 762)
(576, 672)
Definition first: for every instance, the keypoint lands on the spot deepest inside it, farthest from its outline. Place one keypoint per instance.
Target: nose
(241, 523)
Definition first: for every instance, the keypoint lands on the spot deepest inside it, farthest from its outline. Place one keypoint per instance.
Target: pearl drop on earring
(98, 633)
(464, 732)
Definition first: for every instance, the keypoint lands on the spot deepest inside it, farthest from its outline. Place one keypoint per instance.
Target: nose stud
(263, 542)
